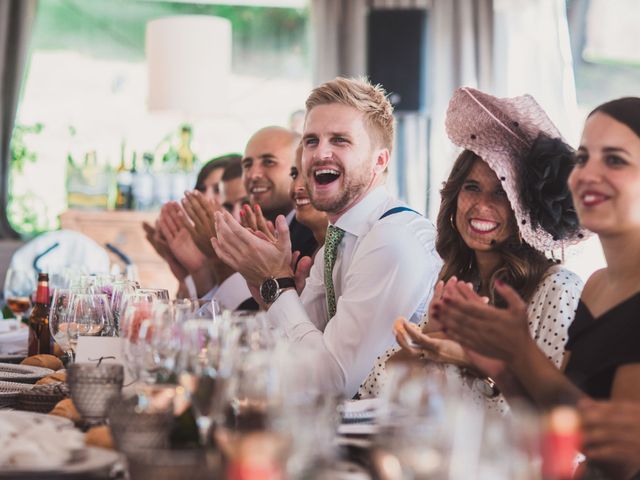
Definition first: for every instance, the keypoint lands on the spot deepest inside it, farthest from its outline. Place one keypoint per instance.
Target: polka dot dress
(550, 312)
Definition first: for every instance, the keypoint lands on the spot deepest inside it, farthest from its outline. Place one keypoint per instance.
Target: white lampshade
(189, 60)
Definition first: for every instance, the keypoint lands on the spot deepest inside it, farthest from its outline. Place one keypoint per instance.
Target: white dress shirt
(230, 293)
(384, 269)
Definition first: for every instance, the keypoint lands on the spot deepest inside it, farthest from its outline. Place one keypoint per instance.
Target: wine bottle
(39, 334)
(123, 183)
(186, 157)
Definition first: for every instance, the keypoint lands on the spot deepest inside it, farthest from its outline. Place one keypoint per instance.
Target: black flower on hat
(543, 179)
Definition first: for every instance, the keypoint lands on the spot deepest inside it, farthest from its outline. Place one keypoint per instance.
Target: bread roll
(59, 376)
(99, 437)
(46, 361)
(65, 408)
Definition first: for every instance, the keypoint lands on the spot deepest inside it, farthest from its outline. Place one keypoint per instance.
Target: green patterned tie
(331, 242)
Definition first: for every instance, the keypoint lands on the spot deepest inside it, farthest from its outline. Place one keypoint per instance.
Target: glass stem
(204, 426)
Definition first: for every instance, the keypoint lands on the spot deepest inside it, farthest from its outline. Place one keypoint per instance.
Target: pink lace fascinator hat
(518, 141)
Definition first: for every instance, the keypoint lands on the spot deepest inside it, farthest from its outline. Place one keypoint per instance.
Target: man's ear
(382, 160)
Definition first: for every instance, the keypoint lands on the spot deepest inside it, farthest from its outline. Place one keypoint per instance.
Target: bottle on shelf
(39, 334)
(123, 183)
(186, 157)
(134, 176)
(143, 184)
(88, 187)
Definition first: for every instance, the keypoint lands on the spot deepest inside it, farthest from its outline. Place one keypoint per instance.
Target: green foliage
(20, 154)
(116, 28)
(27, 212)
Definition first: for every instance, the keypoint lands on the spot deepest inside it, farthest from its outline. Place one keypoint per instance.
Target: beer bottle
(39, 334)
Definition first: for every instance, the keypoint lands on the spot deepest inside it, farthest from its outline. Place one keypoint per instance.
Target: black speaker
(396, 42)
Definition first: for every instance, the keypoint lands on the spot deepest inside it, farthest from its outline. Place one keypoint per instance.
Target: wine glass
(18, 288)
(103, 283)
(159, 341)
(416, 411)
(254, 328)
(119, 291)
(246, 399)
(201, 309)
(198, 365)
(58, 312)
(88, 315)
(127, 318)
(161, 294)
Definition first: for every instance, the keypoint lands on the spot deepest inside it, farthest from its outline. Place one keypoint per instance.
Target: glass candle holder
(94, 387)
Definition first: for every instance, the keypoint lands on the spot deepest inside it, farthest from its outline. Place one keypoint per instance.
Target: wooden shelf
(124, 230)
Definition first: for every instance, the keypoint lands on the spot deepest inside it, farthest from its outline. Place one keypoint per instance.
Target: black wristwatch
(271, 288)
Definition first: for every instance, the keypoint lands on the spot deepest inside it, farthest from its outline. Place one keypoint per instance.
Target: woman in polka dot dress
(494, 226)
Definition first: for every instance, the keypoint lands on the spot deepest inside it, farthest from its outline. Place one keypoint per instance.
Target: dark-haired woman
(210, 175)
(493, 225)
(603, 346)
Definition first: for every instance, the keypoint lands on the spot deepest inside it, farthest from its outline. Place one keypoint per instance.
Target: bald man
(266, 173)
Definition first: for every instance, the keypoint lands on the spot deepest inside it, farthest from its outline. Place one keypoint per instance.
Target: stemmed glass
(103, 283)
(58, 324)
(119, 291)
(417, 408)
(159, 340)
(207, 309)
(136, 311)
(88, 315)
(18, 288)
(161, 294)
(246, 400)
(253, 328)
(199, 369)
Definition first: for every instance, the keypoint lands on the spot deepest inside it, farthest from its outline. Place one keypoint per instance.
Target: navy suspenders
(395, 210)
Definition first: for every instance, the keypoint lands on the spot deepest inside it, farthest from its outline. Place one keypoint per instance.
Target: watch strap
(285, 282)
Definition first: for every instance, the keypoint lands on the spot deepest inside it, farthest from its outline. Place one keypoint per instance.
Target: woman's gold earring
(453, 223)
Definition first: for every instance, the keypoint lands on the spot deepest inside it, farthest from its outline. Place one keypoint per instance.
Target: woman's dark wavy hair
(522, 266)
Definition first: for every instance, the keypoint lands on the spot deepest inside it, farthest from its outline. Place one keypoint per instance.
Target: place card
(109, 349)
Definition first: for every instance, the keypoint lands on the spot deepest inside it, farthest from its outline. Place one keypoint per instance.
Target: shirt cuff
(232, 292)
(191, 286)
(289, 313)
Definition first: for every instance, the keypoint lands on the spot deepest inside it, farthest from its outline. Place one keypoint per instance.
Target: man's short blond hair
(360, 94)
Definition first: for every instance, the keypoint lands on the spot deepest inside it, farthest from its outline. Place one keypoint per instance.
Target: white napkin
(14, 341)
(9, 325)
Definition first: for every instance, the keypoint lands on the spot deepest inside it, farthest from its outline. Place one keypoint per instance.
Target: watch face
(269, 290)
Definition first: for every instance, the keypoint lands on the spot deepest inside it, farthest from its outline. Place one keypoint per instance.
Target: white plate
(87, 459)
(38, 417)
(22, 373)
(354, 411)
(95, 460)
